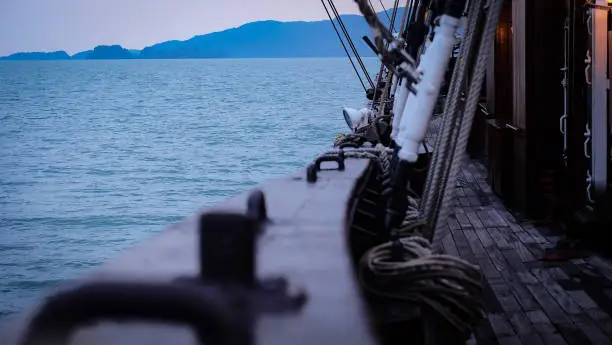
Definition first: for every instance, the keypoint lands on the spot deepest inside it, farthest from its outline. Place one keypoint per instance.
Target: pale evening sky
(77, 25)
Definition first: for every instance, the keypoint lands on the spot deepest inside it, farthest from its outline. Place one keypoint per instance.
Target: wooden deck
(528, 301)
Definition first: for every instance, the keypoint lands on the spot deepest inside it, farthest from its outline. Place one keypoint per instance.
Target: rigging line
(383, 7)
(404, 24)
(401, 32)
(387, 14)
(384, 95)
(384, 10)
(344, 46)
(394, 16)
(350, 41)
(391, 25)
(379, 76)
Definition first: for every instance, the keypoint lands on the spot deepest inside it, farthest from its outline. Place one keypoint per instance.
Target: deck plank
(528, 301)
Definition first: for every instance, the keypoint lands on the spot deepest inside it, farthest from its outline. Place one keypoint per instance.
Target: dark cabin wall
(574, 195)
(503, 73)
(524, 143)
(520, 169)
(497, 143)
(544, 104)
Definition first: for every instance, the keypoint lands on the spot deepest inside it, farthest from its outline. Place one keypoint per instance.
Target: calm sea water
(98, 155)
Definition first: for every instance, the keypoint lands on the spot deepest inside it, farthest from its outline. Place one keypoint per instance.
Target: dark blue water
(98, 155)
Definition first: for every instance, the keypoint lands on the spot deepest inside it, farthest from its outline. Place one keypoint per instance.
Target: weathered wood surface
(306, 243)
(528, 301)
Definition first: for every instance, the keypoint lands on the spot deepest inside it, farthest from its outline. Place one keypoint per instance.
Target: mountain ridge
(260, 39)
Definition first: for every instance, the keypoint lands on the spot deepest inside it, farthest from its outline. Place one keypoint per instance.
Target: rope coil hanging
(446, 284)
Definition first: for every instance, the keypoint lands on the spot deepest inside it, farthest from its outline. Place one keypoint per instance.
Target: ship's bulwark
(304, 242)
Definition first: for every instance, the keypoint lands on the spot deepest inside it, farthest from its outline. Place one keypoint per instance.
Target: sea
(96, 156)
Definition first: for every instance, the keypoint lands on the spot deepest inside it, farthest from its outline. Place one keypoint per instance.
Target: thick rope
(484, 53)
(448, 285)
(433, 185)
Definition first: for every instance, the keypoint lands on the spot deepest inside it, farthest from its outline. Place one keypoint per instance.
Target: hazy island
(263, 39)
(59, 55)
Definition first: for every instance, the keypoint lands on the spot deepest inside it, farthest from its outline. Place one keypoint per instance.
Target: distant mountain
(270, 39)
(82, 55)
(263, 39)
(114, 52)
(59, 55)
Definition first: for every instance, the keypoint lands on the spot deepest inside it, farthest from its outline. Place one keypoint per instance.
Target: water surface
(97, 155)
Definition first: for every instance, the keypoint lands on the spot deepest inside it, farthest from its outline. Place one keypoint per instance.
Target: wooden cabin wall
(498, 152)
(515, 127)
(523, 143)
(537, 103)
(503, 62)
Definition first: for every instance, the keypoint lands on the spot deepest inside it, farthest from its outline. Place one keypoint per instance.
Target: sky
(78, 25)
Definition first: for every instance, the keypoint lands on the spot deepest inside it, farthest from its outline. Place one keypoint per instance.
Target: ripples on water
(97, 155)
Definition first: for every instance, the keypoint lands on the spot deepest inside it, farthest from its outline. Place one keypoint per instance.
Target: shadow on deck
(528, 301)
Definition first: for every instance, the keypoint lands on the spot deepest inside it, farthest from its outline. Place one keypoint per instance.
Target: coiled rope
(448, 285)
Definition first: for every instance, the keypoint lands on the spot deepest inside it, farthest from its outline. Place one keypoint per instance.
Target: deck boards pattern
(528, 301)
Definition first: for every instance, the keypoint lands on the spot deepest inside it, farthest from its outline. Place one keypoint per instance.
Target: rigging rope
(485, 49)
(385, 93)
(344, 46)
(394, 16)
(350, 42)
(450, 286)
(435, 178)
(379, 76)
(393, 53)
(383, 7)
